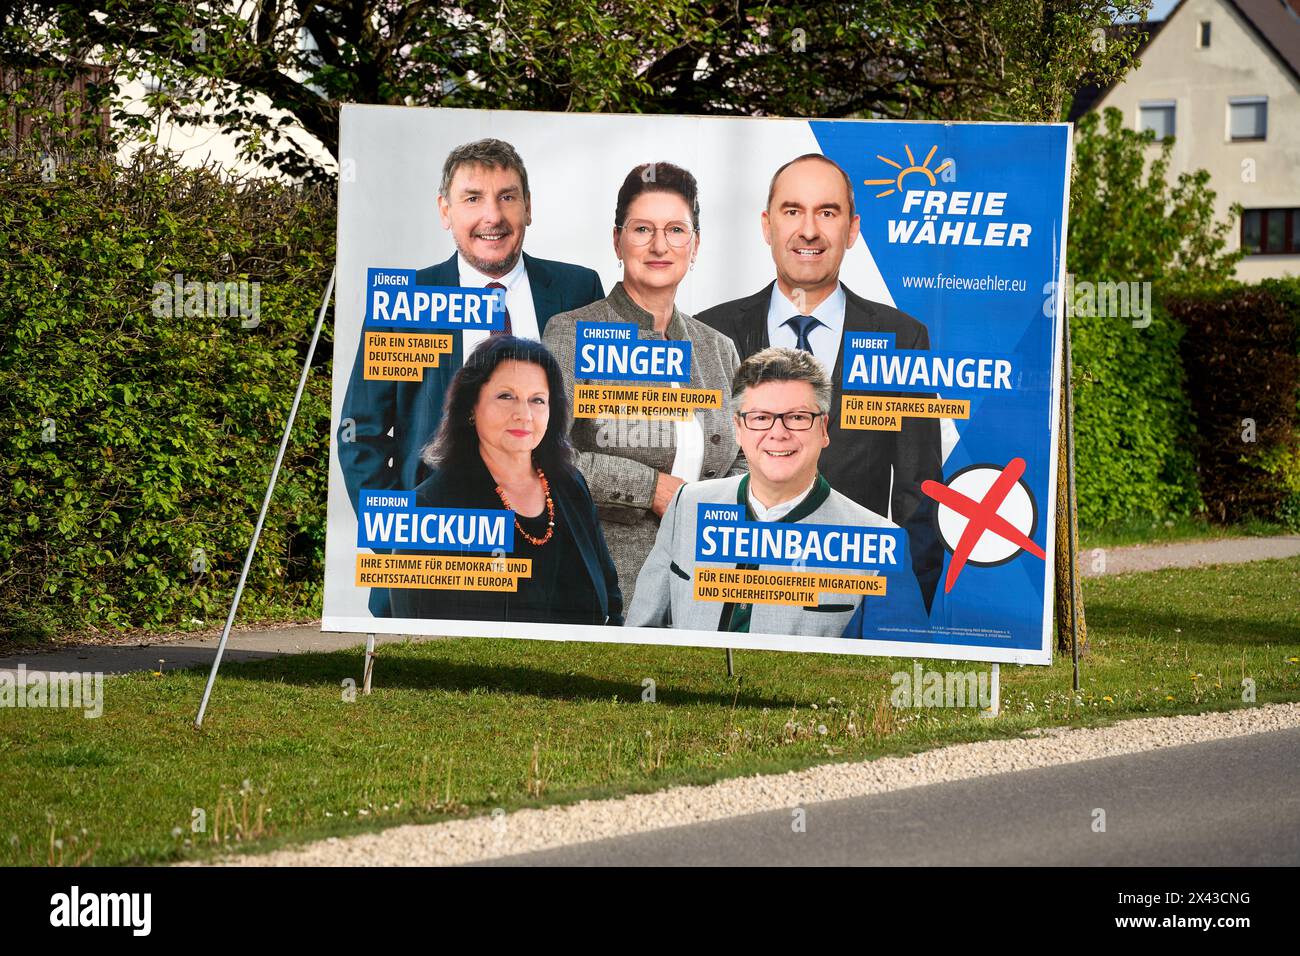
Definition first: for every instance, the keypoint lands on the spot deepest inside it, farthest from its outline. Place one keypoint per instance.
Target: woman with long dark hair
(503, 444)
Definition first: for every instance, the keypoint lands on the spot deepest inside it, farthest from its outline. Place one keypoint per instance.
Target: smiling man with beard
(484, 202)
(810, 223)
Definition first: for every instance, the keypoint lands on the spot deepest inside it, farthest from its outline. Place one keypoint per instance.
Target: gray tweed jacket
(621, 458)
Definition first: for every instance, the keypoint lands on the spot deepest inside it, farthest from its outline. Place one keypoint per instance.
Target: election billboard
(725, 382)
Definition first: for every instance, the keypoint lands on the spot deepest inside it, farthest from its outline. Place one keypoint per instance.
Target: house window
(1157, 117)
(1203, 34)
(1247, 118)
(1270, 231)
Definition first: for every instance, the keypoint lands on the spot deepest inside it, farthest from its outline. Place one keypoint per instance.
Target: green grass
(1148, 531)
(459, 727)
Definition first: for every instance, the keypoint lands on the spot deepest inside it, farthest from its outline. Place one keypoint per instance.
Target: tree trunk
(1067, 522)
(1067, 508)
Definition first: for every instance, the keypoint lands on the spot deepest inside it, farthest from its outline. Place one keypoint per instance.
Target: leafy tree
(1048, 48)
(1130, 224)
(962, 59)
(1127, 221)
(1055, 46)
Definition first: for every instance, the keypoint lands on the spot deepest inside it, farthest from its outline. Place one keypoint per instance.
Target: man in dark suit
(810, 223)
(483, 200)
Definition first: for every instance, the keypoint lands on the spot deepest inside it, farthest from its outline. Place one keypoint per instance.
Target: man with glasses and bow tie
(782, 399)
(810, 223)
(484, 202)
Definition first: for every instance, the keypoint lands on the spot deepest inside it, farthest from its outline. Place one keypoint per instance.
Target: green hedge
(1159, 411)
(131, 441)
(1133, 424)
(1243, 366)
(1284, 463)
(1131, 221)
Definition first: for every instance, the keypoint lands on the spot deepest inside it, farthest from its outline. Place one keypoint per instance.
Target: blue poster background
(1029, 164)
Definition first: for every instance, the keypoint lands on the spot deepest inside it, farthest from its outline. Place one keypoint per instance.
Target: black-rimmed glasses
(799, 421)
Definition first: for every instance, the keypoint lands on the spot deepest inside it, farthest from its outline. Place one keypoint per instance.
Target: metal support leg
(370, 664)
(995, 693)
(731, 667)
(266, 501)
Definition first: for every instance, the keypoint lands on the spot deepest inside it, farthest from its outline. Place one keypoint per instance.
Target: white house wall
(1200, 82)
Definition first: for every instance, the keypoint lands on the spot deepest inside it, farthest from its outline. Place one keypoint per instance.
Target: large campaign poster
(727, 382)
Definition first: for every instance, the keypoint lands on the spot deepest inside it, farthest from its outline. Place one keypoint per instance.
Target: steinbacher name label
(391, 519)
(722, 536)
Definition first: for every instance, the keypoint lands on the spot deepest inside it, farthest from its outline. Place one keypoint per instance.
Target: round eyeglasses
(639, 232)
(763, 421)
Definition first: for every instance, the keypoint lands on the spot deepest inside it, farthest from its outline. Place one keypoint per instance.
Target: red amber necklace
(550, 512)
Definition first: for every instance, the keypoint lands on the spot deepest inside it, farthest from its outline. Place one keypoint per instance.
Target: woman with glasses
(634, 466)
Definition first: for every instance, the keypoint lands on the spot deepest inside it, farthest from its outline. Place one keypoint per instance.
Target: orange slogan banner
(438, 573)
(878, 413)
(642, 401)
(403, 356)
(802, 588)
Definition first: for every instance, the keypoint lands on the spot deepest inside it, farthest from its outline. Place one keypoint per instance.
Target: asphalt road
(1232, 802)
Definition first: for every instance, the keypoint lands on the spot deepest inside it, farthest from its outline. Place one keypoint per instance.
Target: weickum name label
(391, 520)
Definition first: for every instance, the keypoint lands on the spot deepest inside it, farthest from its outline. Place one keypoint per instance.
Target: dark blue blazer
(575, 514)
(412, 410)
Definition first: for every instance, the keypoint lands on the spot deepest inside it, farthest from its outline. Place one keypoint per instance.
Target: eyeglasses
(763, 421)
(639, 232)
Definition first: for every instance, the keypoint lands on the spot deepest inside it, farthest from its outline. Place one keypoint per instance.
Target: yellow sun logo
(896, 184)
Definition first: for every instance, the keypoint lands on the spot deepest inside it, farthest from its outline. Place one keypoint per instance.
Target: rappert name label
(394, 302)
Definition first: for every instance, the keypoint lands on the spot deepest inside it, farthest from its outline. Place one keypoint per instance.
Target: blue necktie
(802, 325)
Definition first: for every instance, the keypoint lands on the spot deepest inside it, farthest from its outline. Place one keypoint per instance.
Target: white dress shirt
(777, 512)
(519, 302)
(689, 458)
(689, 442)
(824, 339)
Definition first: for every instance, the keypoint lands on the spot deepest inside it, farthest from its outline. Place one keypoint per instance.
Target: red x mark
(983, 517)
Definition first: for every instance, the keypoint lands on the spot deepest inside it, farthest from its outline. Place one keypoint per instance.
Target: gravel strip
(489, 837)
(1096, 562)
